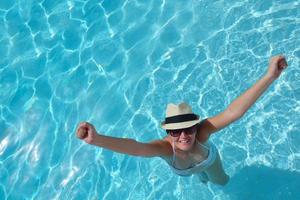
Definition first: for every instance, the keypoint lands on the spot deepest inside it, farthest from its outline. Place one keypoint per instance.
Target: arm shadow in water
(264, 183)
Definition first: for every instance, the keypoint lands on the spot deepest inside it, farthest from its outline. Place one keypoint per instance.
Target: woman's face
(184, 139)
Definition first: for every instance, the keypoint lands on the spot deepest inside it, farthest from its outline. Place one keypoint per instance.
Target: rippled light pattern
(117, 64)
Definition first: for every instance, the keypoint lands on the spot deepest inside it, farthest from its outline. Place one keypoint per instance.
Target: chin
(185, 147)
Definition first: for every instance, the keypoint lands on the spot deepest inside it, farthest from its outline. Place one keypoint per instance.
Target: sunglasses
(177, 132)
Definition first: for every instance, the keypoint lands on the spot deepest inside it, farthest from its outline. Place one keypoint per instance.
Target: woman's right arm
(160, 148)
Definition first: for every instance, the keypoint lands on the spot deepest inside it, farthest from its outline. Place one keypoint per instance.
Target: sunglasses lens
(177, 133)
(190, 130)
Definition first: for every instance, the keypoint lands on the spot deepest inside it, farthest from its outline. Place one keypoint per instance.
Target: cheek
(193, 139)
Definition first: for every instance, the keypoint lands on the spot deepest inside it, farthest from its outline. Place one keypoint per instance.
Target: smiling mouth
(184, 141)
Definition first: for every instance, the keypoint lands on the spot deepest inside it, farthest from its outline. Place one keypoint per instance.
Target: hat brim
(180, 125)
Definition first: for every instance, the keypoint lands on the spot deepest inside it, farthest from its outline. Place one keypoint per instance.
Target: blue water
(117, 64)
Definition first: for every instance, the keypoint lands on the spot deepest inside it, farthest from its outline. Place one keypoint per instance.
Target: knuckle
(81, 123)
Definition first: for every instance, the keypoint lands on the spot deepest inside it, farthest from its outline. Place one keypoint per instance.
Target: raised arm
(88, 133)
(240, 105)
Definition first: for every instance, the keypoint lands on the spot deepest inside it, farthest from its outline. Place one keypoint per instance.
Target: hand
(276, 65)
(86, 132)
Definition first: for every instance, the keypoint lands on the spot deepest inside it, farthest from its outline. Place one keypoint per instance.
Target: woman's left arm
(240, 105)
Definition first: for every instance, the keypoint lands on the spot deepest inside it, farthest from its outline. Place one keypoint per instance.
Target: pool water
(117, 64)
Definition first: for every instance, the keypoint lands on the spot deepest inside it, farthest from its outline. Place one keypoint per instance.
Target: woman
(186, 147)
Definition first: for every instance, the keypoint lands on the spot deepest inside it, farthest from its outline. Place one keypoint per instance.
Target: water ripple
(117, 64)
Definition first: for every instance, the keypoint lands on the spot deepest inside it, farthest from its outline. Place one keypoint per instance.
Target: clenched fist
(276, 65)
(86, 132)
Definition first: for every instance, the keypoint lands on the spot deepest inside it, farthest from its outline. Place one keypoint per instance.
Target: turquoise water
(117, 64)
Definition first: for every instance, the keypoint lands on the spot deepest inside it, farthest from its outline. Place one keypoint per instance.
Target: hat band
(180, 118)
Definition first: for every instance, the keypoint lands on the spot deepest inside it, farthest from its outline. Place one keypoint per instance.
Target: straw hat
(179, 117)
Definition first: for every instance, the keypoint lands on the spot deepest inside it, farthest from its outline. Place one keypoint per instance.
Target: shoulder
(204, 129)
(164, 146)
(167, 142)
